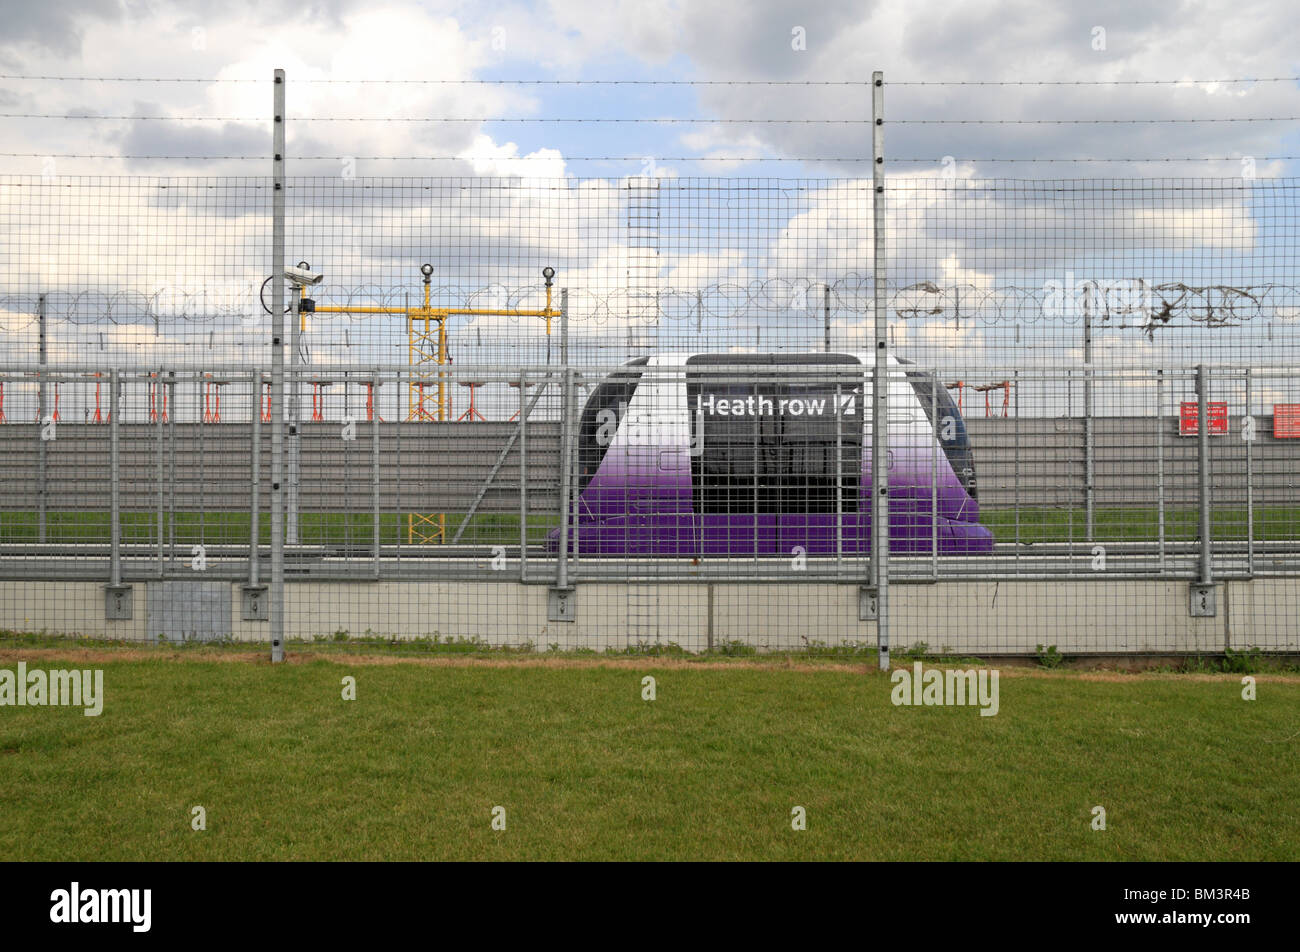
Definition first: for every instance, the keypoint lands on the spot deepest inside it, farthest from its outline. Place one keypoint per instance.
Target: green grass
(1138, 524)
(286, 769)
(1277, 523)
(232, 528)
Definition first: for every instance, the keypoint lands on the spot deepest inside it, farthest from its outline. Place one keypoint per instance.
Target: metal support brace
(253, 600)
(1089, 433)
(523, 477)
(1201, 595)
(42, 408)
(560, 604)
(374, 472)
(496, 467)
(117, 597)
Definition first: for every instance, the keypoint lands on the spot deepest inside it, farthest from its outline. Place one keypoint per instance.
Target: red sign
(1187, 418)
(1286, 420)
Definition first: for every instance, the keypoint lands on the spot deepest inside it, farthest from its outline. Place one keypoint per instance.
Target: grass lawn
(1037, 524)
(1139, 524)
(586, 769)
(232, 528)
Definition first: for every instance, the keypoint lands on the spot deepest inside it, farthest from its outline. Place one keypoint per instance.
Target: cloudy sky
(712, 42)
(749, 221)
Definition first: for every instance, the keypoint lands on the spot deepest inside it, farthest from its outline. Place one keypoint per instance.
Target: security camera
(302, 275)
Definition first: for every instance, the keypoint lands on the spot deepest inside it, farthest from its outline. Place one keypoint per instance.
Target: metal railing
(144, 487)
(169, 489)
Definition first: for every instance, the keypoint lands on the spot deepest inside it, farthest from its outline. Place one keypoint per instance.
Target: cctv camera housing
(300, 276)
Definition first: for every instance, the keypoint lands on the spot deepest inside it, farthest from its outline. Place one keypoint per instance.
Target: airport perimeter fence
(700, 529)
(618, 412)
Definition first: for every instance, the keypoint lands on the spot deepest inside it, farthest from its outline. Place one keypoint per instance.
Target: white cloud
(488, 158)
(751, 237)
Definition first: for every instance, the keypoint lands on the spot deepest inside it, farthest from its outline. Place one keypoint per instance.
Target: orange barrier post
(212, 399)
(370, 403)
(154, 402)
(318, 388)
(1004, 386)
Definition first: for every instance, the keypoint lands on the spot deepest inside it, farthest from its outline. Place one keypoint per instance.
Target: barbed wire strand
(632, 158)
(663, 120)
(656, 82)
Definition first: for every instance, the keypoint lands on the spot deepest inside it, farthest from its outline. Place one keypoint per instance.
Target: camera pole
(880, 380)
(277, 377)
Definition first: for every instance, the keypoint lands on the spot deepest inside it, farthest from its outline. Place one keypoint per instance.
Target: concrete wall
(976, 617)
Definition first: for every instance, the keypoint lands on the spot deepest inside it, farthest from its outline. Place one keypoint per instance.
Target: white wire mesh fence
(694, 499)
(617, 412)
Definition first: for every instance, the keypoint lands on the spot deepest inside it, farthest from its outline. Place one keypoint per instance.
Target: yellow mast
(427, 359)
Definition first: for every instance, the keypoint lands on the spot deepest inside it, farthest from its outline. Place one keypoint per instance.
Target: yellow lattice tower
(426, 337)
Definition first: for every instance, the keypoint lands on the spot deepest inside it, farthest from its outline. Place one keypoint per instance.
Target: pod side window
(935, 399)
(601, 417)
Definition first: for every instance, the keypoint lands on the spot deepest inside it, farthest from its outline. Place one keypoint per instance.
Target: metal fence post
(294, 406)
(401, 388)
(159, 390)
(839, 482)
(880, 385)
(42, 405)
(200, 411)
(1250, 489)
(117, 597)
(1016, 453)
(171, 458)
(1203, 469)
(254, 502)
(115, 485)
(1160, 466)
(1089, 464)
(757, 470)
(277, 375)
(826, 316)
(523, 476)
(566, 437)
(934, 477)
(575, 408)
(374, 469)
